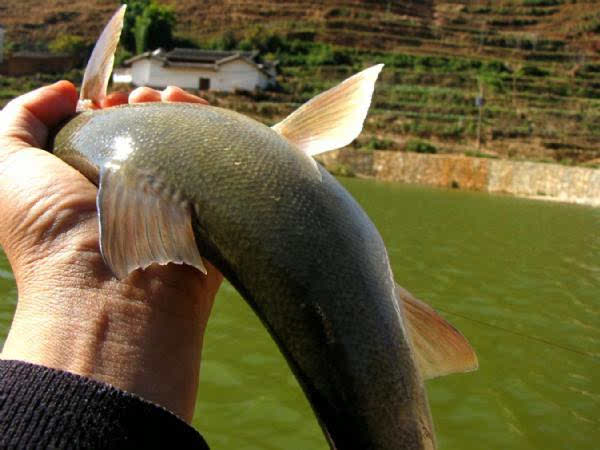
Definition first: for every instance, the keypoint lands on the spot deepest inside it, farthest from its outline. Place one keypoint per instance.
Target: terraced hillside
(536, 63)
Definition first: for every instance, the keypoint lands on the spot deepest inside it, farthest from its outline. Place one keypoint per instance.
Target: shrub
(542, 2)
(340, 170)
(533, 71)
(419, 146)
(147, 25)
(512, 22)
(590, 68)
(121, 55)
(69, 44)
(495, 66)
(380, 144)
(339, 12)
(542, 11)
(478, 154)
(454, 131)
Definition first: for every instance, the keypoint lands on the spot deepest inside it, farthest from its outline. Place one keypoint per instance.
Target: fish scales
(293, 242)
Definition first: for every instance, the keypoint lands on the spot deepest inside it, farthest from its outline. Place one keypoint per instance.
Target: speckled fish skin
(296, 246)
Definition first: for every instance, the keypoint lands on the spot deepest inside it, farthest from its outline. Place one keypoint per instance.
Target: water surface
(520, 278)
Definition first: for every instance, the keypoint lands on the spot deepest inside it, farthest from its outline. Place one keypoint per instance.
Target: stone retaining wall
(525, 179)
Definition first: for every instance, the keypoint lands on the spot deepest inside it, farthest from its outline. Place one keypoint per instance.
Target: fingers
(144, 95)
(175, 94)
(114, 99)
(27, 119)
(170, 94)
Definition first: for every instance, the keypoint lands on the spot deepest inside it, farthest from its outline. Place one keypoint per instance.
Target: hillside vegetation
(536, 63)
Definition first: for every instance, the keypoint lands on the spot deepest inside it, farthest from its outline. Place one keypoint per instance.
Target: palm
(52, 206)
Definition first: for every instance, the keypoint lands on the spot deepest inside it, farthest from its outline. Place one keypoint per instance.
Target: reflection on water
(520, 278)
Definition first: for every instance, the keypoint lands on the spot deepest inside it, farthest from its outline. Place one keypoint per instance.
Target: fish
(180, 182)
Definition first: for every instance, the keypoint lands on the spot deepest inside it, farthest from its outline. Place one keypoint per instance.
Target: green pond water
(520, 278)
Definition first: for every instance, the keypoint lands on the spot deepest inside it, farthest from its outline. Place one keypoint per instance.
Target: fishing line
(526, 336)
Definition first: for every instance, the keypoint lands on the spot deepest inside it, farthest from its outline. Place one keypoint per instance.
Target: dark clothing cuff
(48, 408)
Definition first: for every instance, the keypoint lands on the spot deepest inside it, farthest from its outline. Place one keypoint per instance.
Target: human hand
(143, 334)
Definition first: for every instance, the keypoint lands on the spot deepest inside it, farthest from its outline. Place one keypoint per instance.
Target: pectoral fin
(334, 118)
(440, 349)
(140, 226)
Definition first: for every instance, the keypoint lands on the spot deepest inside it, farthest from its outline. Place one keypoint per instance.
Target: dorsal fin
(440, 349)
(100, 65)
(334, 118)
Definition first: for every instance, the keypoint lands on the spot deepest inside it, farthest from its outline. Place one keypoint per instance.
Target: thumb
(40, 196)
(25, 121)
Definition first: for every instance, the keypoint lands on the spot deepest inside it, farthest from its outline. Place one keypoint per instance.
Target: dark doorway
(204, 84)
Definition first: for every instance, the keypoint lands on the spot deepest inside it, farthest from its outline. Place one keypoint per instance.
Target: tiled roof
(202, 58)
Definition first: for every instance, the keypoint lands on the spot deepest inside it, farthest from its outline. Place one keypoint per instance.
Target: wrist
(143, 335)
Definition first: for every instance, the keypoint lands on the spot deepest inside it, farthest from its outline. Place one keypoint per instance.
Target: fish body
(294, 243)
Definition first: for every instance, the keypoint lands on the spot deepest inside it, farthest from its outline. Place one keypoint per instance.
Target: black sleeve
(47, 408)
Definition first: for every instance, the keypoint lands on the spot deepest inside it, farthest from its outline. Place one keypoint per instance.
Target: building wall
(160, 77)
(122, 76)
(229, 77)
(140, 72)
(238, 74)
(18, 65)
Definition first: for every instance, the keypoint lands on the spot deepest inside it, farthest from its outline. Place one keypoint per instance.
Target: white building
(197, 69)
